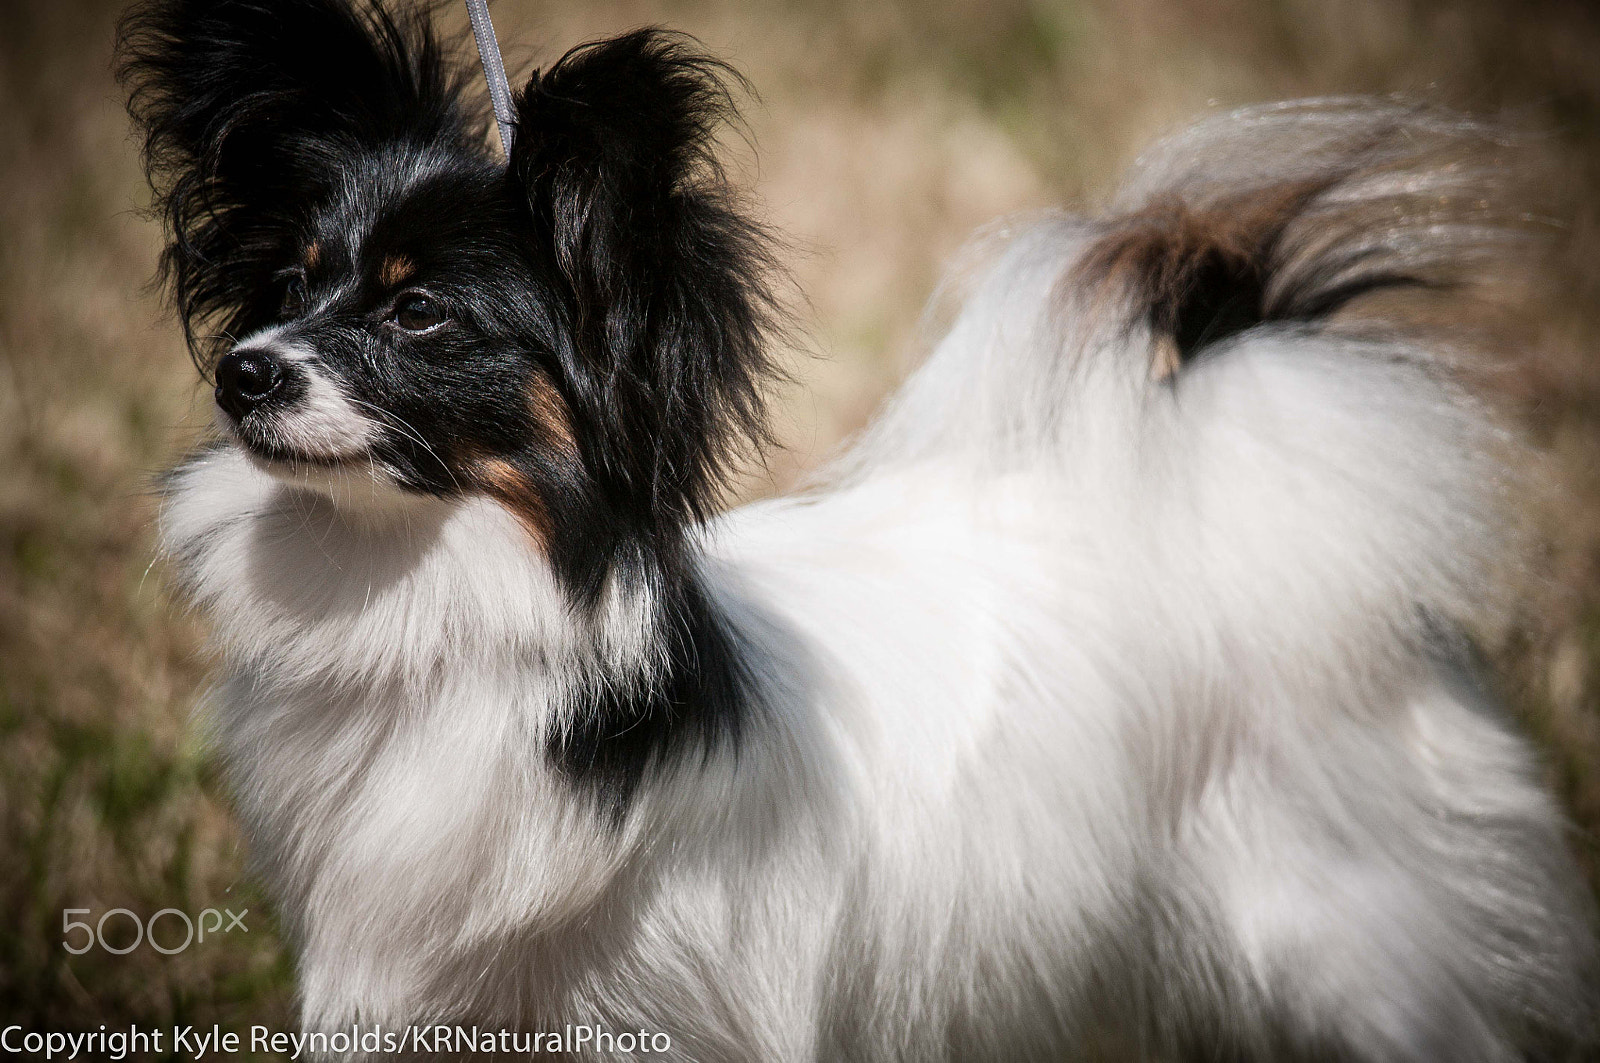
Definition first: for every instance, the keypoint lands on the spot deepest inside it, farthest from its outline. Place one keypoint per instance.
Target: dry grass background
(887, 130)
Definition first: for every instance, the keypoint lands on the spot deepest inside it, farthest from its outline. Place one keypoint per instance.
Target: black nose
(246, 379)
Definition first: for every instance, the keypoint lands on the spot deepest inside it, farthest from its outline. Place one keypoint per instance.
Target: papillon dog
(1112, 697)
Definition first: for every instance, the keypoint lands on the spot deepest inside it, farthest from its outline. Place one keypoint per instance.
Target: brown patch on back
(396, 270)
(1167, 359)
(1193, 270)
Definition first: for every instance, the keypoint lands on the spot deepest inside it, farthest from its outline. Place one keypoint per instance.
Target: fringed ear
(669, 285)
(248, 109)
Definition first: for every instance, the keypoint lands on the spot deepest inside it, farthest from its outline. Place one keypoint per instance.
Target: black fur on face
(578, 333)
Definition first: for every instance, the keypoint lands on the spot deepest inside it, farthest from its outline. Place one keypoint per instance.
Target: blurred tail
(1290, 212)
(1266, 219)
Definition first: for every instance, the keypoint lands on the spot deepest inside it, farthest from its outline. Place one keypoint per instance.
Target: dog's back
(1144, 616)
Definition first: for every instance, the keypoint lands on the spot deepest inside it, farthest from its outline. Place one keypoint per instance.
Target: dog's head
(578, 333)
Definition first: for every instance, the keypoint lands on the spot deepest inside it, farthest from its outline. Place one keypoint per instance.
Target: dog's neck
(413, 709)
(690, 694)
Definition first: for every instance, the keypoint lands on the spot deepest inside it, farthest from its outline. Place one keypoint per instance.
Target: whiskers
(399, 424)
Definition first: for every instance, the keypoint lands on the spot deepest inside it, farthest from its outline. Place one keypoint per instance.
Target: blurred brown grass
(887, 131)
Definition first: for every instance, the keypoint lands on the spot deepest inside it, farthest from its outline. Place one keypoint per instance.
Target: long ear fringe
(245, 106)
(671, 284)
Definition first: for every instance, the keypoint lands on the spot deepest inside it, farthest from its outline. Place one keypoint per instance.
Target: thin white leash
(494, 71)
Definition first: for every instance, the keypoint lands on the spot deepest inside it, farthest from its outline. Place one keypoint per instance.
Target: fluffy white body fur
(1096, 714)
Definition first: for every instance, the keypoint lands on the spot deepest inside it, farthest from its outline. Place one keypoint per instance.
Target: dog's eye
(416, 312)
(293, 300)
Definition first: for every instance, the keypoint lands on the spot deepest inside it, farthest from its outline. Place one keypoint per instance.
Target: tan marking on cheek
(396, 269)
(550, 413)
(313, 255)
(505, 483)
